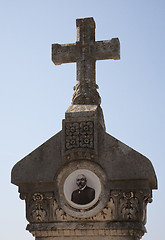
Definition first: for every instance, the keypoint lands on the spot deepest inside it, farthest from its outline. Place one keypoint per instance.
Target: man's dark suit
(84, 196)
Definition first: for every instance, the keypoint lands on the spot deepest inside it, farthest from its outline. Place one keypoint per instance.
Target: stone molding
(136, 230)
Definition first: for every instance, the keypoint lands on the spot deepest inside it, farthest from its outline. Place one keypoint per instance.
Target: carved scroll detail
(128, 206)
(107, 213)
(59, 214)
(122, 206)
(38, 212)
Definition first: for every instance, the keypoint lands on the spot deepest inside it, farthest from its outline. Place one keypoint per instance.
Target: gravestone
(83, 183)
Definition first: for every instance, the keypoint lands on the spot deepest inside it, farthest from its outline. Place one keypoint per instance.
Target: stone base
(90, 231)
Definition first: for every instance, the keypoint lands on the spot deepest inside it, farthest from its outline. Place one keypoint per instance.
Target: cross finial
(85, 52)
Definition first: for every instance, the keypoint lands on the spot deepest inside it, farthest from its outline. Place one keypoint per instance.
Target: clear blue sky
(35, 94)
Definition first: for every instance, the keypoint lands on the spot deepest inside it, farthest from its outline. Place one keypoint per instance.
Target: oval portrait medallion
(82, 189)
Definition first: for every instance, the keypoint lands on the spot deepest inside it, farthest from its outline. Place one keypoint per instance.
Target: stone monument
(83, 183)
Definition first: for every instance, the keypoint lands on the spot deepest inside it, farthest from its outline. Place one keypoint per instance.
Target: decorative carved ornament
(122, 206)
(79, 135)
(38, 213)
(86, 93)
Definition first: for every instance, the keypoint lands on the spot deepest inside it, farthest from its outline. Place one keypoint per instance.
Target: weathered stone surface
(89, 230)
(127, 180)
(85, 52)
(120, 162)
(120, 178)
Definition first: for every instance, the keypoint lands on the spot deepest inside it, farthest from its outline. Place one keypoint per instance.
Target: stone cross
(85, 52)
(109, 201)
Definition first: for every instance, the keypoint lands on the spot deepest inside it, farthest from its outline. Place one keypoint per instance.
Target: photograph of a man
(84, 194)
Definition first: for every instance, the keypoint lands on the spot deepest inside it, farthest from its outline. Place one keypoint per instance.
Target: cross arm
(64, 53)
(109, 49)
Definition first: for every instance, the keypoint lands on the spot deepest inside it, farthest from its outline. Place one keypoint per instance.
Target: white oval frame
(63, 200)
(70, 185)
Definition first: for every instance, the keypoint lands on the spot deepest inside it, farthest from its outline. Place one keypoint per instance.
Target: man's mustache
(80, 184)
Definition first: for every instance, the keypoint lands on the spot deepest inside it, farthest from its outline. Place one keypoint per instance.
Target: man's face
(81, 181)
